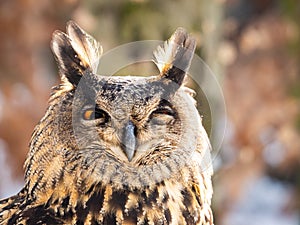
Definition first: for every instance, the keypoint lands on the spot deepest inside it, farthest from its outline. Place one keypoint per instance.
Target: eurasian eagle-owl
(116, 150)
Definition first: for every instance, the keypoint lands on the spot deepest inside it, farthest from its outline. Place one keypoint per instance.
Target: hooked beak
(129, 140)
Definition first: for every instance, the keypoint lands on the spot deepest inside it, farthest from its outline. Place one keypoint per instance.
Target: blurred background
(252, 46)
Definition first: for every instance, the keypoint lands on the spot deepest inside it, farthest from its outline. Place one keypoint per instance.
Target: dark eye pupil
(99, 114)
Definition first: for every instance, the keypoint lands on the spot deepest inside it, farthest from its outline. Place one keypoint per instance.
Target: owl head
(123, 130)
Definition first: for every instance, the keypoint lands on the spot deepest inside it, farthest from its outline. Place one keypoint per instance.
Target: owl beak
(129, 140)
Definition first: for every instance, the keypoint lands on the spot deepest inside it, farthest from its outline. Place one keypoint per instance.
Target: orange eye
(89, 114)
(96, 114)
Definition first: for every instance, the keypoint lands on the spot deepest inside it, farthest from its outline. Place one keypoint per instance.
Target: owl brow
(166, 87)
(97, 106)
(85, 86)
(90, 96)
(163, 103)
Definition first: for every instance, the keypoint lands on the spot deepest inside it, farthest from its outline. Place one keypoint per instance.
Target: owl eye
(164, 111)
(163, 108)
(162, 115)
(88, 114)
(95, 114)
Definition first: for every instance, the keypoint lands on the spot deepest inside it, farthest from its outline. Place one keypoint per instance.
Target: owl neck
(174, 200)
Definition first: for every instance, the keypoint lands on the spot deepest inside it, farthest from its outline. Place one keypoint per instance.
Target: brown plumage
(116, 150)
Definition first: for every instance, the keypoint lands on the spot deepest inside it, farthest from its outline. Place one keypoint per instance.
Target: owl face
(127, 131)
(133, 117)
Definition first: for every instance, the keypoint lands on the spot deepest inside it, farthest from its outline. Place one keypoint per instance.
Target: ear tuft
(75, 52)
(174, 57)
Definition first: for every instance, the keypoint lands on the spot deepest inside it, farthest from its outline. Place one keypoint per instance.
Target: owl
(116, 149)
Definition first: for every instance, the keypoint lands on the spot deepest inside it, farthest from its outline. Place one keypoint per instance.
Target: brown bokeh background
(253, 47)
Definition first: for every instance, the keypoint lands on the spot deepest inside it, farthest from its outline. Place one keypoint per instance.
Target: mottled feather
(79, 170)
